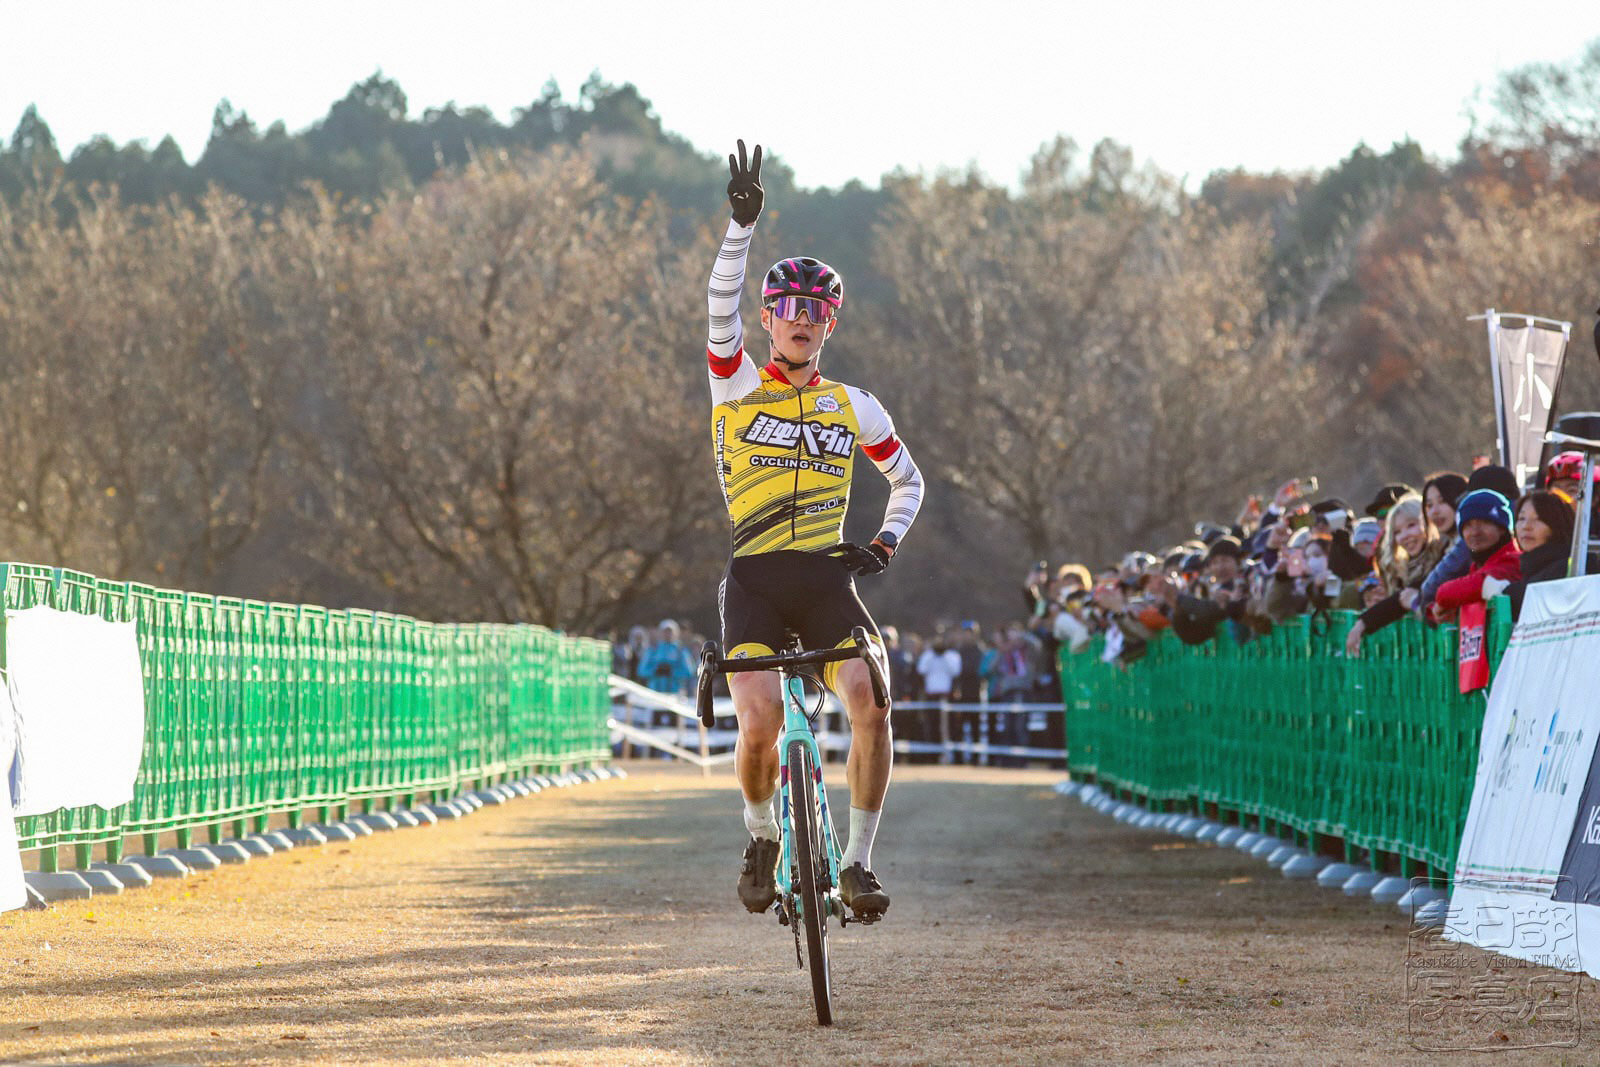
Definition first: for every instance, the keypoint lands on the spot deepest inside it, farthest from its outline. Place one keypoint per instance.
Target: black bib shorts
(770, 594)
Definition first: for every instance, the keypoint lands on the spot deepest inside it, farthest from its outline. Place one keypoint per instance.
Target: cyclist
(785, 439)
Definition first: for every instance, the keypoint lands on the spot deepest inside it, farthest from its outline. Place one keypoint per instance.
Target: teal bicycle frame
(800, 741)
(797, 727)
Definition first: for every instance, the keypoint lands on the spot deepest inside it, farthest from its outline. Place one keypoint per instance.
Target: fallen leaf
(1183, 981)
(30, 1028)
(1236, 881)
(292, 1037)
(1276, 1002)
(215, 1034)
(1501, 1035)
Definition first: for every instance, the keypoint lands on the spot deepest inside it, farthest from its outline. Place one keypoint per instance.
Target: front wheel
(811, 876)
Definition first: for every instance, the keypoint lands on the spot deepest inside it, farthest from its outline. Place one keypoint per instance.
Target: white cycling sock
(863, 827)
(760, 819)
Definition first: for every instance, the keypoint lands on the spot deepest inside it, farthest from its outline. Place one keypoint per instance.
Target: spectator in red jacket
(1483, 517)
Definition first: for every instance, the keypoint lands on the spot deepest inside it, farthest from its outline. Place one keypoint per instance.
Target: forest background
(449, 366)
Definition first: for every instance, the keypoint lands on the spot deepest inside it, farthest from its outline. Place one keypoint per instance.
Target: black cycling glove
(870, 560)
(745, 194)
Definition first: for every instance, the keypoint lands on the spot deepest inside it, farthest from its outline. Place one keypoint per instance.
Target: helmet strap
(789, 363)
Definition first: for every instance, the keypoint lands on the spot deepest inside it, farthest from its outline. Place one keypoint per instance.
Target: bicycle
(809, 859)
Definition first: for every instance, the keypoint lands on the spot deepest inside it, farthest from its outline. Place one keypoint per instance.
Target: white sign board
(1532, 838)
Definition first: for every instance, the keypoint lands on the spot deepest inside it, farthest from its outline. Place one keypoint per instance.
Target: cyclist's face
(798, 341)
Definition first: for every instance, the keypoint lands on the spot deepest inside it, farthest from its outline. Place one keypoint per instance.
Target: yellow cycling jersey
(785, 455)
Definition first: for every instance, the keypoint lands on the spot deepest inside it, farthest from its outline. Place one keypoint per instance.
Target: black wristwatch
(888, 540)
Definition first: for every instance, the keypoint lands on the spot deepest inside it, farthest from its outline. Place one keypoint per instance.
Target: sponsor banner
(79, 697)
(1532, 837)
(1527, 372)
(1580, 865)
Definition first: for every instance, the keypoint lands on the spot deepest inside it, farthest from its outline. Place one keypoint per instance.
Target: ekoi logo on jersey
(834, 439)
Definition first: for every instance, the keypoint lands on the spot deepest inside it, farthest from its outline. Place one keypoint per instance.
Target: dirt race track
(598, 924)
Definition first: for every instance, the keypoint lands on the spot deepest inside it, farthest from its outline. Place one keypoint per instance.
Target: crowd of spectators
(1422, 553)
(952, 664)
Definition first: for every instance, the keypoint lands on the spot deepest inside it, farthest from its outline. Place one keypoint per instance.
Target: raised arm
(725, 341)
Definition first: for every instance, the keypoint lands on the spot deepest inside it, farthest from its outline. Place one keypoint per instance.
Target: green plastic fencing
(1378, 752)
(254, 709)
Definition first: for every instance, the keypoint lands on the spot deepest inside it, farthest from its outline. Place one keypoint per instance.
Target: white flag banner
(1528, 869)
(79, 700)
(1527, 358)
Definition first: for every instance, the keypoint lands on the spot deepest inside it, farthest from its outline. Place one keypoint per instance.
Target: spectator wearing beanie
(1350, 551)
(1484, 518)
(1544, 534)
(1195, 619)
(1459, 558)
(1364, 538)
(1411, 548)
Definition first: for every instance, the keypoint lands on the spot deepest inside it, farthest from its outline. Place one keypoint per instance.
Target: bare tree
(1089, 367)
(136, 346)
(508, 431)
(1431, 382)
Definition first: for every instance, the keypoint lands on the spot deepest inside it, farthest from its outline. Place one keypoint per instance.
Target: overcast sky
(839, 91)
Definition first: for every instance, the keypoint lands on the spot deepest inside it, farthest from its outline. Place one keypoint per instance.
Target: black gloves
(870, 560)
(744, 188)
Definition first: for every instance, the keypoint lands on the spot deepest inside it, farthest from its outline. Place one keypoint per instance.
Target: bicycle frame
(797, 727)
(815, 886)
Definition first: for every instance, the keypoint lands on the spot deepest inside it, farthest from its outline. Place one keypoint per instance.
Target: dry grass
(598, 925)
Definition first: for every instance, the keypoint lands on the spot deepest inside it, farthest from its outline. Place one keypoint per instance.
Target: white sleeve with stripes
(884, 447)
(733, 374)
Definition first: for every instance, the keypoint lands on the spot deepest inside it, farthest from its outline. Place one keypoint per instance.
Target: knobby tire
(811, 877)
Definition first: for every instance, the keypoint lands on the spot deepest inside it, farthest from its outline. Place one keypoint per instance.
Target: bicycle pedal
(864, 919)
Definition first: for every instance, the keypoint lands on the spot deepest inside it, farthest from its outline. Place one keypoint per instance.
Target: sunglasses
(788, 308)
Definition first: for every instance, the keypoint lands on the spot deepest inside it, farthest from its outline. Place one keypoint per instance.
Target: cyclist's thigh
(751, 623)
(751, 626)
(833, 611)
